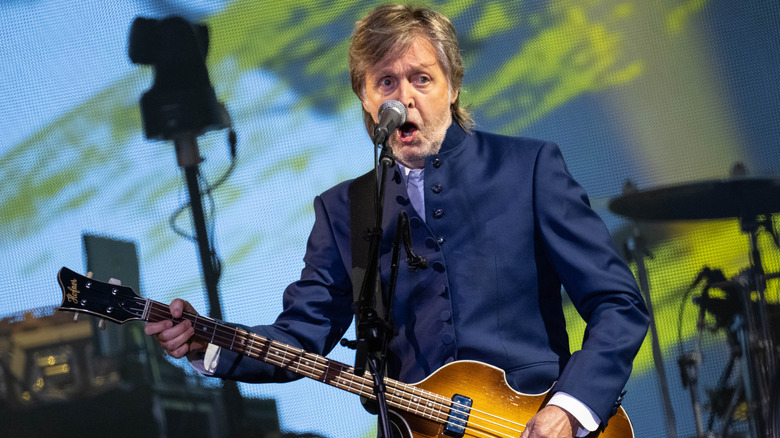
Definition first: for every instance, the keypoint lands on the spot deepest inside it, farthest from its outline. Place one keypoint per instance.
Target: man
(502, 224)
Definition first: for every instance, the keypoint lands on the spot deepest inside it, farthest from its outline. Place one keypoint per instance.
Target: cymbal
(716, 199)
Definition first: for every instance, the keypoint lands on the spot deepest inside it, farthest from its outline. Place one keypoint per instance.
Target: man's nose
(406, 94)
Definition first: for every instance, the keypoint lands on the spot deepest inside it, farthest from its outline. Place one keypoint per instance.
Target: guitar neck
(121, 304)
(258, 347)
(399, 395)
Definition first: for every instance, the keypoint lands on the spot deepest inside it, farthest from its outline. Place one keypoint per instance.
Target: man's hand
(176, 339)
(551, 422)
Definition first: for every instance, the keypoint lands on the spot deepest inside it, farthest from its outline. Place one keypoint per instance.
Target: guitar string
(327, 374)
(165, 314)
(316, 359)
(437, 408)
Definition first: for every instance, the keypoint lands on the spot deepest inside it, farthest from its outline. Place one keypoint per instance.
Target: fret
(267, 348)
(315, 368)
(416, 401)
(306, 365)
(312, 366)
(273, 351)
(445, 408)
(341, 380)
(298, 363)
(422, 401)
(350, 380)
(298, 366)
(194, 324)
(242, 341)
(327, 370)
(429, 406)
(414, 397)
(284, 355)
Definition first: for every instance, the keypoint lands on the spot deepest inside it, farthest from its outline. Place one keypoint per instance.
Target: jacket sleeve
(317, 307)
(600, 285)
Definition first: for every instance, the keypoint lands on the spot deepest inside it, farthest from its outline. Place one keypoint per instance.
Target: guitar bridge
(459, 416)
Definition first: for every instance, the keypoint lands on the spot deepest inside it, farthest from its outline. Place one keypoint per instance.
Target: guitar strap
(362, 220)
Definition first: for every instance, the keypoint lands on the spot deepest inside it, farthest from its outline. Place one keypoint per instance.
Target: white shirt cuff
(206, 363)
(588, 419)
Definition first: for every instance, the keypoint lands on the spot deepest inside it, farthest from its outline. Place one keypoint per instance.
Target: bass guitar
(461, 399)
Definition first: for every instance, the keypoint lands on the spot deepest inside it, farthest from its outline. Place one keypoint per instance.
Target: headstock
(85, 295)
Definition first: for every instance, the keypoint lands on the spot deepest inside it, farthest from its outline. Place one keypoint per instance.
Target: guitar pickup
(459, 416)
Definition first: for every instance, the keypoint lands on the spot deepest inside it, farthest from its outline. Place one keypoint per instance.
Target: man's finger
(153, 328)
(178, 333)
(180, 352)
(177, 307)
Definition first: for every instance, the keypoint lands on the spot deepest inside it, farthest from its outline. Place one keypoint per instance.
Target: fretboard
(399, 395)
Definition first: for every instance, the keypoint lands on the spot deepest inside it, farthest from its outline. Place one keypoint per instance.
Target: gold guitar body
(497, 410)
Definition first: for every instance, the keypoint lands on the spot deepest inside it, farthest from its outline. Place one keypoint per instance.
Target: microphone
(392, 114)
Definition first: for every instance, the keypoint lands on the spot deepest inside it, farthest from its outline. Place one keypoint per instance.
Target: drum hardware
(751, 201)
(689, 361)
(774, 417)
(736, 314)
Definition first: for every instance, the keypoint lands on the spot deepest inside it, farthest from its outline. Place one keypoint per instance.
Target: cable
(232, 142)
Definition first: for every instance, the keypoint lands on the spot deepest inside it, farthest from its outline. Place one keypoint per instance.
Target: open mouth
(406, 131)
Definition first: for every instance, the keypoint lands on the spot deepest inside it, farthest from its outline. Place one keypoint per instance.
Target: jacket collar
(453, 138)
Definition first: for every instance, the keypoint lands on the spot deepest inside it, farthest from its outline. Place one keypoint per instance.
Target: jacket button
(437, 188)
(438, 213)
(438, 266)
(436, 163)
(447, 338)
(415, 222)
(445, 315)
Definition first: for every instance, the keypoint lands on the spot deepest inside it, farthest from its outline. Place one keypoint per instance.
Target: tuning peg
(102, 324)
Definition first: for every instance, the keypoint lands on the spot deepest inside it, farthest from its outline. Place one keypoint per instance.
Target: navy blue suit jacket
(506, 225)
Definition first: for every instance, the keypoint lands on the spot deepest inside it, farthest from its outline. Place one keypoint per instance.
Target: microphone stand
(373, 331)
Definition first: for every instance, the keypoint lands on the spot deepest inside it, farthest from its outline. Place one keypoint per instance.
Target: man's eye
(423, 79)
(385, 82)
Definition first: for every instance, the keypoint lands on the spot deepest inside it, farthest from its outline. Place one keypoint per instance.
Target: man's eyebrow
(389, 71)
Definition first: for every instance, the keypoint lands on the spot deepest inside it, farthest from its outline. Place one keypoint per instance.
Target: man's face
(417, 80)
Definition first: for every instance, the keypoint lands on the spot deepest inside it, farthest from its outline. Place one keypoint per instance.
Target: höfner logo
(73, 296)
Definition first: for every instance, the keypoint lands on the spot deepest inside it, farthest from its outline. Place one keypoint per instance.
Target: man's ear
(454, 96)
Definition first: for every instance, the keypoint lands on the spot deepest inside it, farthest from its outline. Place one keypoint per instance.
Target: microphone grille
(394, 105)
